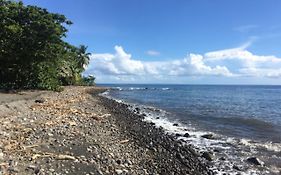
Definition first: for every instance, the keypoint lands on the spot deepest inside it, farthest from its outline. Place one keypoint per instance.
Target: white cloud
(152, 53)
(123, 66)
(121, 63)
(252, 65)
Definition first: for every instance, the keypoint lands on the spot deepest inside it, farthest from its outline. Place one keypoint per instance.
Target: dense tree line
(33, 53)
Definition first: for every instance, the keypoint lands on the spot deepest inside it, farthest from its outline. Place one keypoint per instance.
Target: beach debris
(105, 115)
(124, 141)
(64, 157)
(72, 123)
(64, 109)
(254, 160)
(57, 157)
(118, 171)
(208, 136)
(30, 146)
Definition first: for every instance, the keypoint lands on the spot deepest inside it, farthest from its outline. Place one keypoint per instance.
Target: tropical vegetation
(33, 50)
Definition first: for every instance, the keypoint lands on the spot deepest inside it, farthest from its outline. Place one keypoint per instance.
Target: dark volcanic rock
(137, 110)
(186, 135)
(236, 167)
(208, 156)
(41, 100)
(168, 156)
(254, 161)
(178, 135)
(151, 123)
(208, 136)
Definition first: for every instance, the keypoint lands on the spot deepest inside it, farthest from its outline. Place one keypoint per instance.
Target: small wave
(237, 150)
(269, 146)
(137, 88)
(117, 88)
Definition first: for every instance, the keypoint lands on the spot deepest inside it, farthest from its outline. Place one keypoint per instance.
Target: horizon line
(188, 84)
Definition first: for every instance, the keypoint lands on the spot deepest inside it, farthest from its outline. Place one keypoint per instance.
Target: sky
(176, 42)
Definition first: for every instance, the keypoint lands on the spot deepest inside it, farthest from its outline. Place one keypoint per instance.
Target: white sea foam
(227, 145)
(276, 147)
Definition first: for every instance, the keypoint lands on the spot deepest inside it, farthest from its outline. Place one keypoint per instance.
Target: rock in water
(254, 160)
(137, 110)
(152, 123)
(175, 124)
(208, 156)
(186, 135)
(208, 136)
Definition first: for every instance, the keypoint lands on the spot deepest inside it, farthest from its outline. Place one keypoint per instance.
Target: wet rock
(237, 167)
(208, 156)
(118, 161)
(157, 117)
(175, 124)
(186, 135)
(178, 135)
(254, 160)
(151, 123)
(137, 110)
(208, 136)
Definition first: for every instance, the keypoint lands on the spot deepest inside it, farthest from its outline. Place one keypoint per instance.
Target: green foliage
(33, 53)
(89, 80)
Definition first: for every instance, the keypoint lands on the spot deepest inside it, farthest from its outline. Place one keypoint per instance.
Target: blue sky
(183, 41)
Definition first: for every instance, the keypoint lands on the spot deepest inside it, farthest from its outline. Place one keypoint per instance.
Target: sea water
(245, 120)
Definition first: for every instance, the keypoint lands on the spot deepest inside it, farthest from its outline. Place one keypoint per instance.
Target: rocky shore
(79, 132)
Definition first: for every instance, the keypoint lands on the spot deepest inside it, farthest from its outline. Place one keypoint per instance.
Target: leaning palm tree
(83, 57)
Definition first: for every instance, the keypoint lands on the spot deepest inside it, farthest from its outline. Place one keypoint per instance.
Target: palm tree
(83, 57)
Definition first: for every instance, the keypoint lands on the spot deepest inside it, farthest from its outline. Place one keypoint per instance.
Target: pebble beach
(77, 131)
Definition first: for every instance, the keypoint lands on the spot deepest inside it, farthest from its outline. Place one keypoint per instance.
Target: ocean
(245, 120)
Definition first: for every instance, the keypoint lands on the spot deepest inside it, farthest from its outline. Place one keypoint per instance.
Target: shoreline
(79, 132)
